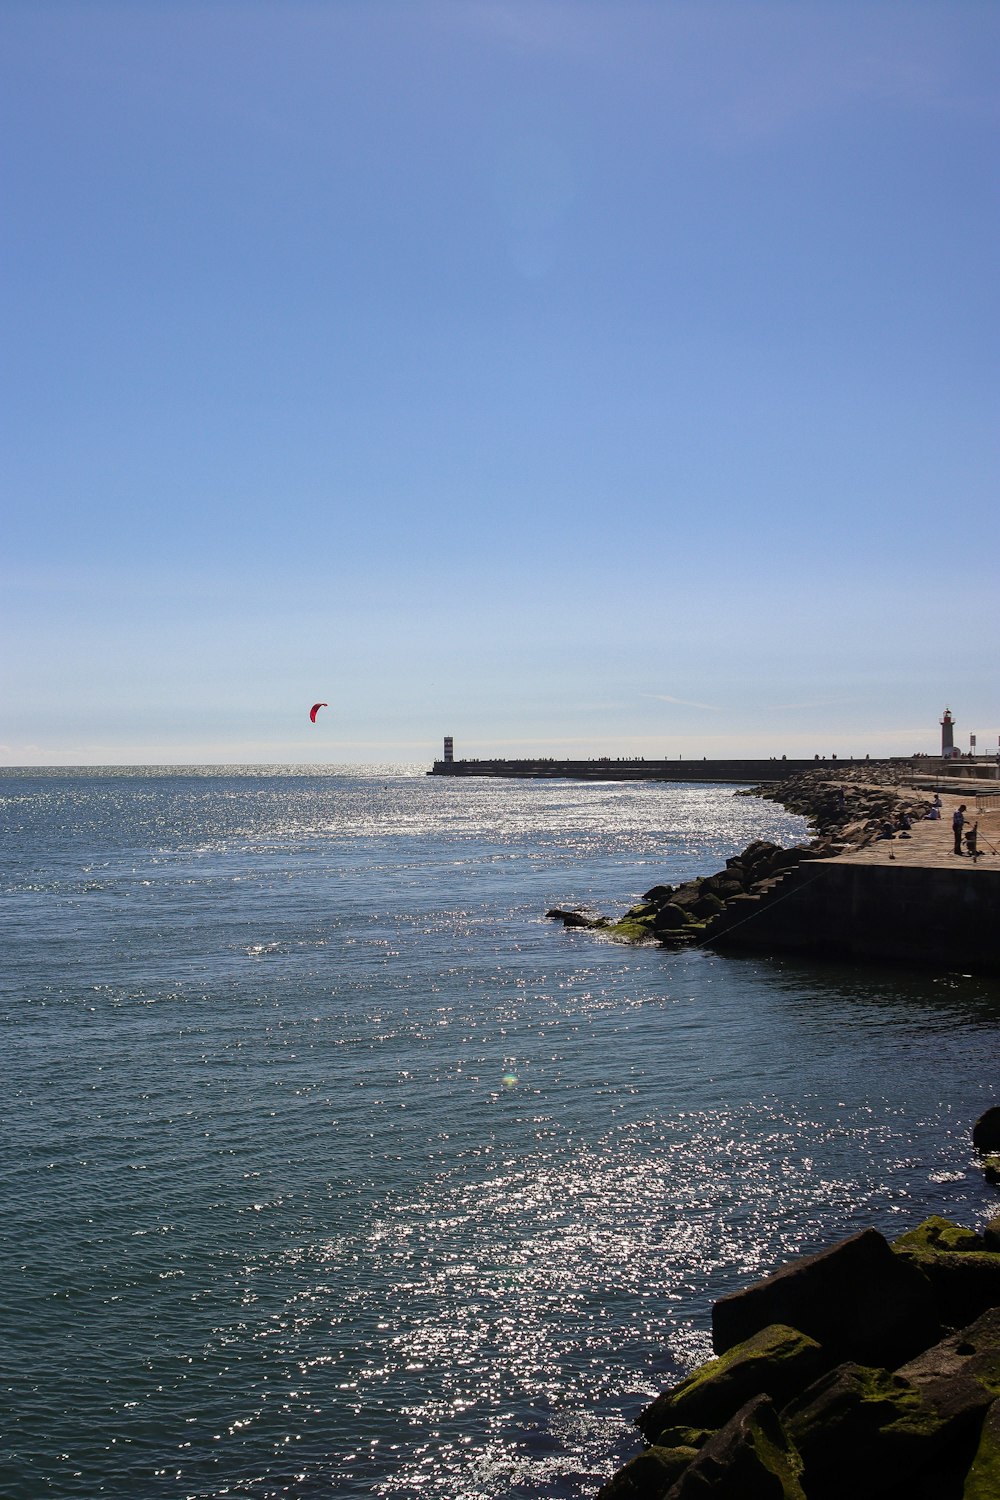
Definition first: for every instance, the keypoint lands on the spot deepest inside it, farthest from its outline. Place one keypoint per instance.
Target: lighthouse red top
(947, 734)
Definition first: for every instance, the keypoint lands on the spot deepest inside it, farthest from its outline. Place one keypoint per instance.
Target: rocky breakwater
(870, 1370)
(846, 810)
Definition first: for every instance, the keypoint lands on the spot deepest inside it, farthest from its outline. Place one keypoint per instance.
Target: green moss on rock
(649, 1475)
(670, 918)
(863, 1432)
(630, 930)
(777, 1362)
(937, 1233)
(983, 1479)
(750, 1458)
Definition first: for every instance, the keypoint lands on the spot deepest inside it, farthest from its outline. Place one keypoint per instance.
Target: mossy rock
(649, 1475)
(751, 1458)
(963, 1283)
(864, 1433)
(991, 1169)
(859, 1299)
(983, 1479)
(670, 918)
(682, 1436)
(779, 1362)
(937, 1233)
(630, 930)
(644, 909)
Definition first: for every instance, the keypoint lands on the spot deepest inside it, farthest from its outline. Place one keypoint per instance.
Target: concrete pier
(910, 899)
(743, 772)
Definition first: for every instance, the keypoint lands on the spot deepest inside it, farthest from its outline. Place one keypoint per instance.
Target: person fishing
(957, 823)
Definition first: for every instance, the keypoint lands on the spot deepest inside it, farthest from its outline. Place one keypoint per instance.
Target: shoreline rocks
(871, 1369)
(844, 806)
(897, 1397)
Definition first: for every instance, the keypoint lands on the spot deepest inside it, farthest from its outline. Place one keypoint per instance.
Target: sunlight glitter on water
(265, 1145)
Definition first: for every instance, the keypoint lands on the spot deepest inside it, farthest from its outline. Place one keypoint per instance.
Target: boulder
(863, 1433)
(960, 1376)
(937, 1233)
(991, 1234)
(574, 918)
(687, 895)
(963, 1283)
(777, 1362)
(749, 1459)
(982, 1482)
(643, 910)
(986, 1131)
(858, 1299)
(658, 894)
(649, 1475)
(669, 918)
(991, 1168)
(722, 886)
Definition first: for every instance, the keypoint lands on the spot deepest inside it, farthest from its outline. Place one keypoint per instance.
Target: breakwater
(870, 1369)
(864, 888)
(918, 915)
(630, 769)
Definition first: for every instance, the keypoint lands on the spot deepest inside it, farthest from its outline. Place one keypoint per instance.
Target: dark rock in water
(708, 905)
(991, 1168)
(669, 918)
(659, 894)
(864, 1433)
(991, 1234)
(574, 918)
(858, 1299)
(749, 1459)
(776, 1362)
(649, 1475)
(687, 896)
(986, 1131)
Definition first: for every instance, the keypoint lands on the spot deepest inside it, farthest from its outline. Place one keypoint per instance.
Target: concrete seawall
(918, 914)
(752, 772)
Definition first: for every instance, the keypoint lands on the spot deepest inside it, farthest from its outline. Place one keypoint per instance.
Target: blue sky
(573, 378)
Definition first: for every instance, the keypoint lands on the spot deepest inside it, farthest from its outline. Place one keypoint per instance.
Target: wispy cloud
(684, 702)
(813, 703)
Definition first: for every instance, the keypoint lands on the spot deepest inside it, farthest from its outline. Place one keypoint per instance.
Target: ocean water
(330, 1168)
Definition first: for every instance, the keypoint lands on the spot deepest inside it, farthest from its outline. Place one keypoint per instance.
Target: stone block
(858, 1299)
(749, 1459)
(777, 1362)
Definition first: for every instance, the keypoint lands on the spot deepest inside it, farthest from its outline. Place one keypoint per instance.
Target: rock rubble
(871, 1370)
(844, 806)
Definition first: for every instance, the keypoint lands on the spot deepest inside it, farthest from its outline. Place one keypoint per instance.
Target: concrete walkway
(931, 844)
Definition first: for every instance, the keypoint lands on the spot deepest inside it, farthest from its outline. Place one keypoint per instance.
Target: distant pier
(751, 772)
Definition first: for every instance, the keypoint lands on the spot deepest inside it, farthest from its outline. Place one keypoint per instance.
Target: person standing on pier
(957, 823)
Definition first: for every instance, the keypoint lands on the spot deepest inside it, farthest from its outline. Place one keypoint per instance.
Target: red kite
(315, 710)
